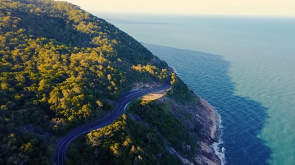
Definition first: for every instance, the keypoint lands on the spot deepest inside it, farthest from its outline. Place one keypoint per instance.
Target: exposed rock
(209, 133)
(140, 85)
(203, 116)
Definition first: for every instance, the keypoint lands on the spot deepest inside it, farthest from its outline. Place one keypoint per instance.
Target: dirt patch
(153, 96)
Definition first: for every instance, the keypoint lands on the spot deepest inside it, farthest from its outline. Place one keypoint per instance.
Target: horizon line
(194, 15)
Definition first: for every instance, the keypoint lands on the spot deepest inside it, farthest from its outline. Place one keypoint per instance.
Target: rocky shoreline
(205, 116)
(209, 134)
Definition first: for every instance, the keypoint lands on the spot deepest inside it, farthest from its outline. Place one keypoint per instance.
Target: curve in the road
(126, 98)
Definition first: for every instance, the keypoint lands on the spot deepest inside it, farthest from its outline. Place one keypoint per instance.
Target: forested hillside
(61, 67)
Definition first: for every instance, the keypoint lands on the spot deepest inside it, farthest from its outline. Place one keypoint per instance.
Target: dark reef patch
(242, 118)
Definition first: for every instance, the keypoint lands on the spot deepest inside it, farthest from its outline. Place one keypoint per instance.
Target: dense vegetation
(144, 136)
(158, 115)
(180, 91)
(60, 67)
(123, 142)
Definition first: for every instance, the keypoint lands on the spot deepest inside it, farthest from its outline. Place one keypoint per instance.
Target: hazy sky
(196, 7)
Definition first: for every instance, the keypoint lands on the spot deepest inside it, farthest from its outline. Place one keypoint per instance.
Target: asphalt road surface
(62, 145)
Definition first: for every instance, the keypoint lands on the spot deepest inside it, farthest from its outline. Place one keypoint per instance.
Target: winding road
(126, 98)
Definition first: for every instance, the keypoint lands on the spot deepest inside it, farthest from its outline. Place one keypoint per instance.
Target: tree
(109, 77)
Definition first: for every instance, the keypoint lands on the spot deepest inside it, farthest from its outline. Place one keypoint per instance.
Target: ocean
(243, 66)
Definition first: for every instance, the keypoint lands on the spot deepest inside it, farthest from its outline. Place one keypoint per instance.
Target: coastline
(206, 117)
(209, 152)
(217, 131)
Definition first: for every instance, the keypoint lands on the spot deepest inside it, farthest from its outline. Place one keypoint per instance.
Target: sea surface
(244, 67)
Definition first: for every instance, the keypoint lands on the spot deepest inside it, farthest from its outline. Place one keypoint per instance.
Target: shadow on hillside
(242, 118)
(51, 26)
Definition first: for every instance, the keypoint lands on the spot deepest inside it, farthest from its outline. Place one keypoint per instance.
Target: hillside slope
(61, 67)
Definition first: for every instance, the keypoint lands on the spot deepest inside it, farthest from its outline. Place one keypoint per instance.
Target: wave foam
(219, 146)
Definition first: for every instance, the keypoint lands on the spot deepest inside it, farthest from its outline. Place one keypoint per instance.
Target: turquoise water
(247, 73)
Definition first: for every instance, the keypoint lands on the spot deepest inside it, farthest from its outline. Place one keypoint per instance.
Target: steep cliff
(202, 117)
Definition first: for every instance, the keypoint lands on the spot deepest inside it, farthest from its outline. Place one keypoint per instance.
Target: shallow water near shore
(247, 74)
